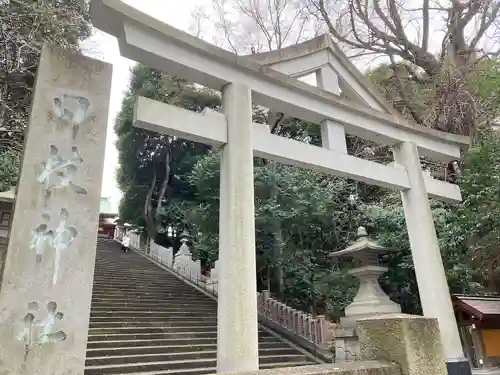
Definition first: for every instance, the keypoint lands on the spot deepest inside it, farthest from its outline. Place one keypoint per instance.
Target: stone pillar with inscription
(47, 280)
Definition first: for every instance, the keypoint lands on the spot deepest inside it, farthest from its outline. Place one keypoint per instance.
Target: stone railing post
(266, 294)
(321, 330)
(185, 264)
(214, 272)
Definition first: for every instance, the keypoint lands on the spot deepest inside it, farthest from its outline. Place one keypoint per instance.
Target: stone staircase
(144, 320)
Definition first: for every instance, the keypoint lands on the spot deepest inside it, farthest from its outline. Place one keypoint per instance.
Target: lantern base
(370, 299)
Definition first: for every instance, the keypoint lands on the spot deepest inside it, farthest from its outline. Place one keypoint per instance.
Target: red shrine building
(107, 219)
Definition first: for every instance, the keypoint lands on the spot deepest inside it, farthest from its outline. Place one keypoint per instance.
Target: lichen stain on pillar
(413, 342)
(46, 285)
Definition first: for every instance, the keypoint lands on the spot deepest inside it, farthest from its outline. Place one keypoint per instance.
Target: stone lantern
(370, 299)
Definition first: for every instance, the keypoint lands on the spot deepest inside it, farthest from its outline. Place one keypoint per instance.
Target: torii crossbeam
(243, 80)
(164, 118)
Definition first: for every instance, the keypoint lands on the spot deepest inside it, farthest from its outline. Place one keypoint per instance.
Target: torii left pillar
(46, 285)
(237, 335)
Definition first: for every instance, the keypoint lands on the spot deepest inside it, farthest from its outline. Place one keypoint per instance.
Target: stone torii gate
(243, 80)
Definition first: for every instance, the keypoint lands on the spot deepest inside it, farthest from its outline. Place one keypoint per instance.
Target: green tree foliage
(24, 26)
(305, 214)
(467, 231)
(476, 222)
(314, 221)
(9, 169)
(152, 165)
(316, 215)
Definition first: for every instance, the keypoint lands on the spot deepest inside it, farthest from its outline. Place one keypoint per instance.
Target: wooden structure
(479, 322)
(6, 202)
(107, 219)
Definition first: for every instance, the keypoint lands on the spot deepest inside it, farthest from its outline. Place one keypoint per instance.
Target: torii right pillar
(429, 270)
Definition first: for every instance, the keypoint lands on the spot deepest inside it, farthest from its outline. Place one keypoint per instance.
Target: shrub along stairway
(144, 320)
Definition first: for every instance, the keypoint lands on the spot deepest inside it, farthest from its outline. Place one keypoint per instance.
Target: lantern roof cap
(362, 246)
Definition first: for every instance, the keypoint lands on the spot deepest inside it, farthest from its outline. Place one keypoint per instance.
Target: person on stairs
(126, 242)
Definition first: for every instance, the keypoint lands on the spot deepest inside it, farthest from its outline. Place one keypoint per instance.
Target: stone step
(145, 290)
(150, 308)
(270, 348)
(150, 305)
(136, 288)
(106, 271)
(210, 370)
(109, 275)
(143, 284)
(138, 278)
(171, 299)
(99, 335)
(153, 318)
(160, 279)
(114, 293)
(181, 359)
(125, 351)
(145, 323)
(150, 297)
(209, 355)
(152, 329)
(146, 313)
(192, 364)
(147, 302)
(112, 343)
(139, 283)
(112, 274)
(164, 335)
(194, 371)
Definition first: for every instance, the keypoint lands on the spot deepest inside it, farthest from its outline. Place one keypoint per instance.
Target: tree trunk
(164, 185)
(277, 275)
(148, 209)
(274, 120)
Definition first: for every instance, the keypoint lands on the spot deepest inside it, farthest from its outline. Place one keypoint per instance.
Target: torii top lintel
(152, 42)
(308, 57)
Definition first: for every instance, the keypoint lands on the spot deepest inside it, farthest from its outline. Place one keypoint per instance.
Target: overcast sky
(105, 47)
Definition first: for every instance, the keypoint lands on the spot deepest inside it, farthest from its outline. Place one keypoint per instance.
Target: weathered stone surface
(346, 345)
(413, 342)
(353, 368)
(47, 280)
(237, 339)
